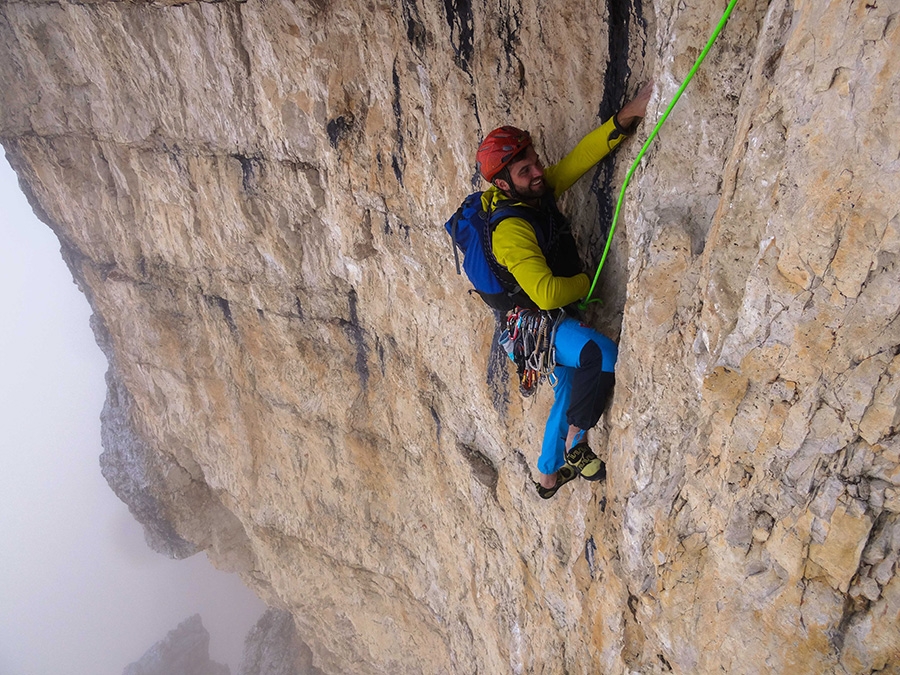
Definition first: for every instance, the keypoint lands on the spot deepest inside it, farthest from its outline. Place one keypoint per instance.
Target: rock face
(250, 193)
(273, 647)
(184, 651)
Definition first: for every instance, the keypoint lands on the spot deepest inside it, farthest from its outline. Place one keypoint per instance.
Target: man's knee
(591, 357)
(600, 352)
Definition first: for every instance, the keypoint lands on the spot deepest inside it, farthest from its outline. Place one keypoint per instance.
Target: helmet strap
(504, 175)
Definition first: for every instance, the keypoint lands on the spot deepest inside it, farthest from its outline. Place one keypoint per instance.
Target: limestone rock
(250, 195)
(273, 647)
(184, 651)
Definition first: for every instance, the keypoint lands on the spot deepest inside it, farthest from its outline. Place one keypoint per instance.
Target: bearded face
(527, 176)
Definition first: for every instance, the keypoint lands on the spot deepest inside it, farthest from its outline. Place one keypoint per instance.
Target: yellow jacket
(515, 245)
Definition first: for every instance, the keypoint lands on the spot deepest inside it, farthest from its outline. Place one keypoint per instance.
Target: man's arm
(516, 248)
(590, 150)
(599, 143)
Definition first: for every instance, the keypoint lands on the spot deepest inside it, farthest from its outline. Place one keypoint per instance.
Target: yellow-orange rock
(251, 195)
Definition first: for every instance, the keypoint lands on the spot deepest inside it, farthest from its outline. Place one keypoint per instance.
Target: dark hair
(504, 174)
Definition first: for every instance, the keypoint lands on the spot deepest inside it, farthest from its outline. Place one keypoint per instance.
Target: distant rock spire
(184, 651)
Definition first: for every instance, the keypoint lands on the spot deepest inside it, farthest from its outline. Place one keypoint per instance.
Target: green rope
(583, 305)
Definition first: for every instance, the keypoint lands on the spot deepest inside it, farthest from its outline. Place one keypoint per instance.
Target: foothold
(483, 469)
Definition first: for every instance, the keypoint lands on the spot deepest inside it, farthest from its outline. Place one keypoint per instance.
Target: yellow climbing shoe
(566, 473)
(586, 462)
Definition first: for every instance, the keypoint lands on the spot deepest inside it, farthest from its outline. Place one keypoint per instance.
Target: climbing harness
(712, 38)
(528, 341)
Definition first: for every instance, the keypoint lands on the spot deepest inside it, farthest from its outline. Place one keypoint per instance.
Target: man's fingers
(638, 105)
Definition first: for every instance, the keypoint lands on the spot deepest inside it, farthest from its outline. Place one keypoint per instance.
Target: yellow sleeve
(516, 248)
(590, 150)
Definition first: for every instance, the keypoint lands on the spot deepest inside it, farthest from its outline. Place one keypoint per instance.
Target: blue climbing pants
(585, 363)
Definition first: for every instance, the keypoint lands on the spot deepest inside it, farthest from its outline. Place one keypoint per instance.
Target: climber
(535, 256)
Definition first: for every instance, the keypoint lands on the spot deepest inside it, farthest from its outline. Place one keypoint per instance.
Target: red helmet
(498, 148)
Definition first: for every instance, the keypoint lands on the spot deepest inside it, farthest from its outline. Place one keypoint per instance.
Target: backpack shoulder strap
(495, 217)
(522, 211)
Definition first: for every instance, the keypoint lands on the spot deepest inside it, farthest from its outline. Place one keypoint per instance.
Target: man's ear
(501, 185)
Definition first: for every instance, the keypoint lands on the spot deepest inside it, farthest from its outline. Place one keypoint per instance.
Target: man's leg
(585, 361)
(592, 356)
(553, 448)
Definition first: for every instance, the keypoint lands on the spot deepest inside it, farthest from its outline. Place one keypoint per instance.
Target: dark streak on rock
(633, 605)
(246, 170)
(299, 307)
(510, 38)
(243, 54)
(379, 348)
(415, 29)
(771, 63)
(397, 159)
(460, 19)
(437, 422)
(337, 129)
(357, 337)
(223, 305)
(838, 635)
(398, 172)
(614, 82)
(497, 370)
(590, 552)
(476, 176)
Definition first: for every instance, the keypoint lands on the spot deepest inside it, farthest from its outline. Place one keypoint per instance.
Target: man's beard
(528, 192)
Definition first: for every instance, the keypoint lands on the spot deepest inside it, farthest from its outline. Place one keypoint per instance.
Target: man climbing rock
(533, 254)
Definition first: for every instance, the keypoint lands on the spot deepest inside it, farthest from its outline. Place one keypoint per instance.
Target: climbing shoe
(586, 462)
(566, 473)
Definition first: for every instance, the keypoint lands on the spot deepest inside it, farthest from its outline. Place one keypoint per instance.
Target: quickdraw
(528, 341)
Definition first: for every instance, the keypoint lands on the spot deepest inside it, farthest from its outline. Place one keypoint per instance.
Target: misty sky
(80, 591)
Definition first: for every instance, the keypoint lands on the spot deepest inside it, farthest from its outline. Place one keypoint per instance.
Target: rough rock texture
(273, 647)
(184, 651)
(250, 196)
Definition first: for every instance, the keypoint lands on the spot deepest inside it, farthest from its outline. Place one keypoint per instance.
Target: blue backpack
(470, 230)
